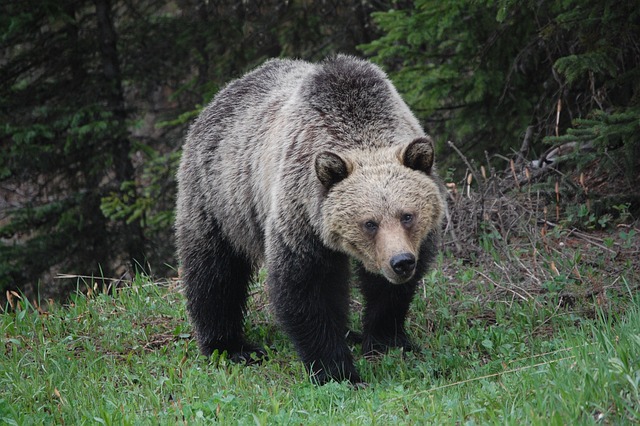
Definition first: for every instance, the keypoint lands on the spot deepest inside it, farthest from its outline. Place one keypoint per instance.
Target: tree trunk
(121, 146)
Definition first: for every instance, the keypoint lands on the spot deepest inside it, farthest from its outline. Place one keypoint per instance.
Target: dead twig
(471, 168)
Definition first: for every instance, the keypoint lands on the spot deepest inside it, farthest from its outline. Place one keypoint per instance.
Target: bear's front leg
(385, 310)
(386, 305)
(309, 289)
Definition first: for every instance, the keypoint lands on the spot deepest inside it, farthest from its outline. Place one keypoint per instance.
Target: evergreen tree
(95, 96)
(481, 72)
(64, 141)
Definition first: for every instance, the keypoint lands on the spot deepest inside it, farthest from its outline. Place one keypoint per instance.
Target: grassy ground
(493, 351)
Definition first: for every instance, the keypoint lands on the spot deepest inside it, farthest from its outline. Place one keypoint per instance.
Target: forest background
(96, 97)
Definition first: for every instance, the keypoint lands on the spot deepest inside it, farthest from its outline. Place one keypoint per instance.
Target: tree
(482, 72)
(64, 141)
(95, 96)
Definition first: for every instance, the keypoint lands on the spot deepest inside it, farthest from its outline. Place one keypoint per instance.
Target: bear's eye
(370, 226)
(406, 219)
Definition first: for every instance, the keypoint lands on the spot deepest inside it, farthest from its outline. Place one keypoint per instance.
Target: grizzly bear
(301, 167)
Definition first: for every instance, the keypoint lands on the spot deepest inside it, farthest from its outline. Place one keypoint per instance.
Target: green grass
(129, 358)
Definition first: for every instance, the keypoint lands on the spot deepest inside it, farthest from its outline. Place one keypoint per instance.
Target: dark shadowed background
(96, 96)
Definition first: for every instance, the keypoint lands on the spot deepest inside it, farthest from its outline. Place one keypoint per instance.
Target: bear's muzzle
(403, 264)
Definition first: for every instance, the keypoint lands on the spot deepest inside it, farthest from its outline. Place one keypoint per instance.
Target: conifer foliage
(482, 72)
(95, 97)
(64, 140)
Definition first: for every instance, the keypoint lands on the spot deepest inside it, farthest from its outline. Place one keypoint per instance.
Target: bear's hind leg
(216, 280)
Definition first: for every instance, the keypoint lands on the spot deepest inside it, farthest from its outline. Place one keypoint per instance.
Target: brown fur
(383, 189)
(300, 167)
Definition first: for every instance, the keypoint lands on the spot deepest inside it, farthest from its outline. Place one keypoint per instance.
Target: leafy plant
(628, 237)
(150, 203)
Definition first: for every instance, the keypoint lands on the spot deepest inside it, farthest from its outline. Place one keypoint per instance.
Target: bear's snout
(403, 264)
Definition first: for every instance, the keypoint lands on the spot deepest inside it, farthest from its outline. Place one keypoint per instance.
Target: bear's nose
(403, 264)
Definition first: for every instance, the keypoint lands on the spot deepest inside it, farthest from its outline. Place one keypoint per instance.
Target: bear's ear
(331, 168)
(418, 155)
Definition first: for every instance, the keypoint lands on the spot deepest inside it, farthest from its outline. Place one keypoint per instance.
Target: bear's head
(379, 205)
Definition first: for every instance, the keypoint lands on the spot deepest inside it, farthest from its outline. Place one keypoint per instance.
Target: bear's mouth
(395, 278)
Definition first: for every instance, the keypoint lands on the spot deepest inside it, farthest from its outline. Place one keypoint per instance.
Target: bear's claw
(248, 355)
(321, 376)
(373, 346)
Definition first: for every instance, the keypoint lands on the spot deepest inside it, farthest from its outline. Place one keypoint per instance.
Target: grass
(488, 356)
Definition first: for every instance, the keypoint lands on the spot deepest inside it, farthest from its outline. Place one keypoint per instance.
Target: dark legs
(386, 305)
(310, 294)
(309, 289)
(216, 280)
(385, 310)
